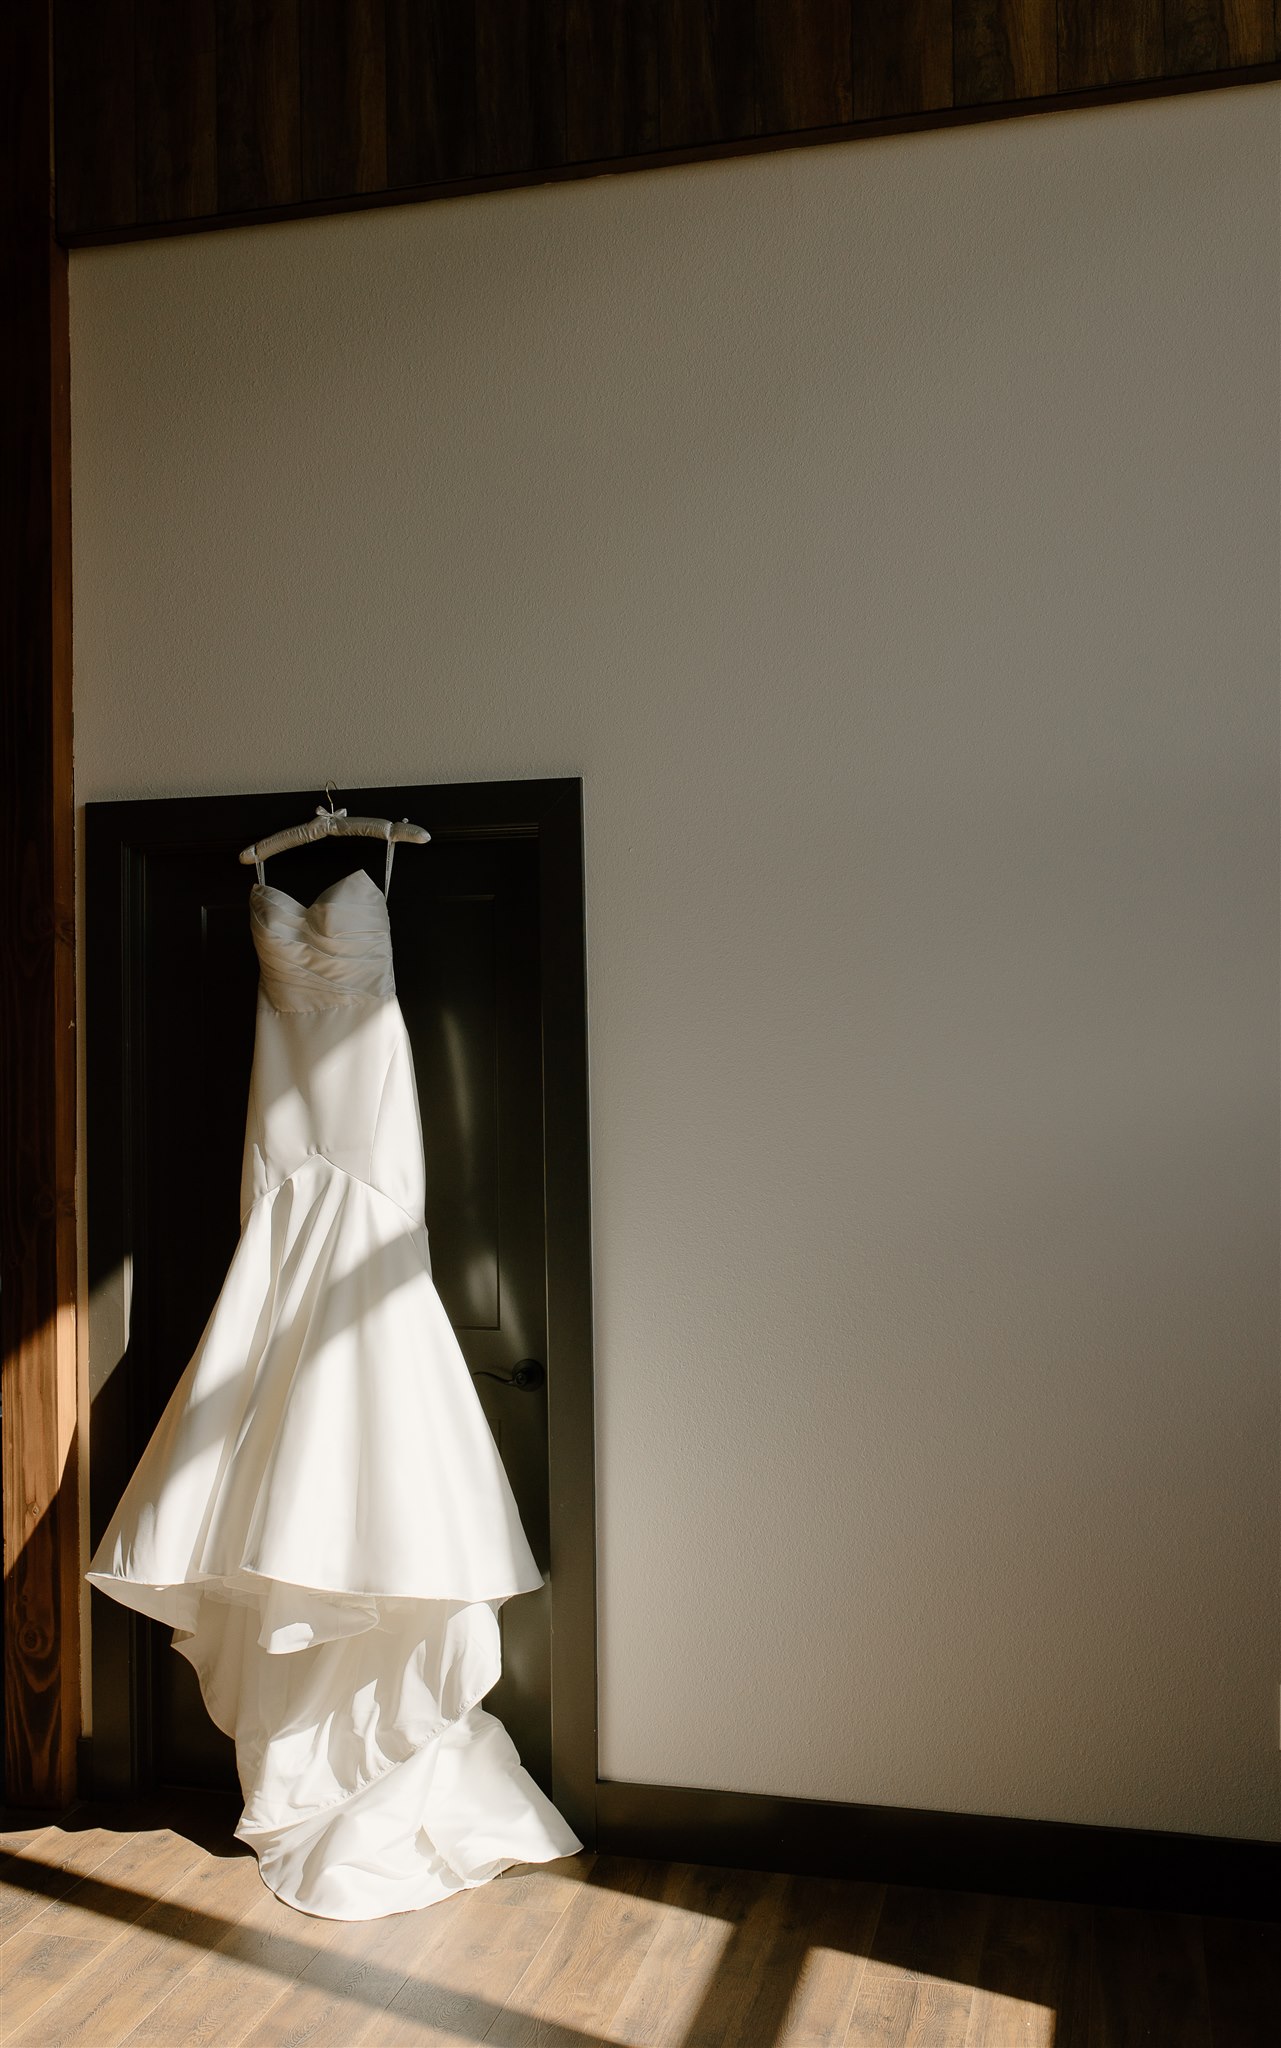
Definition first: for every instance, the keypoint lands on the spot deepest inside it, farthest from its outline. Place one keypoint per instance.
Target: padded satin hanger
(329, 824)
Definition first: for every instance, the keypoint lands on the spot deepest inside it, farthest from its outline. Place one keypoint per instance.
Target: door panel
(465, 926)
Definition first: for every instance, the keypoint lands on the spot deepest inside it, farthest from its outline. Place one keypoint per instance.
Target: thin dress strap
(391, 850)
(262, 872)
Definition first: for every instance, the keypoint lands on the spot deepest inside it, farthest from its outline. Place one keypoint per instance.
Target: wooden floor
(114, 1933)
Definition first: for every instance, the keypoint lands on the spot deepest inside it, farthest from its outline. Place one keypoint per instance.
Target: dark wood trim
(1005, 50)
(571, 1395)
(285, 108)
(114, 1056)
(37, 948)
(119, 839)
(1031, 1859)
(96, 98)
(75, 233)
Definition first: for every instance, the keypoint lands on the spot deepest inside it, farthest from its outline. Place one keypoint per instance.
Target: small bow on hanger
(321, 812)
(330, 821)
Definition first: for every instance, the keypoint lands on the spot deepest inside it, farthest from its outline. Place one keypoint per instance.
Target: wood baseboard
(964, 1852)
(950, 1851)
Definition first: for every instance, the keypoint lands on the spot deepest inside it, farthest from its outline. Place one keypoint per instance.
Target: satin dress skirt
(321, 1515)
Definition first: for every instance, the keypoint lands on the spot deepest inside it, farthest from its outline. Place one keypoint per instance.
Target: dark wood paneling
(96, 120)
(611, 79)
(1216, 35)
(706, 71)
(1004, 50)
(1102, 42)
(310, 106)
(37, 946)
(177, 99)
(804, 64)
(343, 73)
(259, 147)
(902, 57)
(520, 84)
(431, 91)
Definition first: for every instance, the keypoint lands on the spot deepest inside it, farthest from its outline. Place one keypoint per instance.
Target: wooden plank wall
(217, 110)
(37, 939)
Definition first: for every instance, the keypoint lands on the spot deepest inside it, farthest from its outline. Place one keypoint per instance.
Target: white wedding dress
(322, 1515)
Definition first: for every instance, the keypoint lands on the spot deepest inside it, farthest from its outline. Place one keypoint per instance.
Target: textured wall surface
(889, 537)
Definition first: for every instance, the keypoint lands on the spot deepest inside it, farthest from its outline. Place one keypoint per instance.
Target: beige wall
(888, 534)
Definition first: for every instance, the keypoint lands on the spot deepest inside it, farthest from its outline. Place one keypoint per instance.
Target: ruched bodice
(333, 1073)
(322, 955)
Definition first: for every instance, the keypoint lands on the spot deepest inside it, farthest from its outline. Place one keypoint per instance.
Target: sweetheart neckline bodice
(356, 874)
(326, 954)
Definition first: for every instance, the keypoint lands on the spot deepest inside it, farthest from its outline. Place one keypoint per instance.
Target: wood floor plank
(1034, 1977)
(484, 1942)
(16, 1882)
(712, 1968)
(236, 1983)
(18, 1832)
(75, 1933)
(813, 1967)
(46, 1868)
(103, 2004)
(664, 1995)
(579, 1977)
(1243, 1971)
(918, 1985)
(114, 1859)
(1149, 1982)
(153, 1939)
(57, 1961)
(354, 1978)
(838, 1920)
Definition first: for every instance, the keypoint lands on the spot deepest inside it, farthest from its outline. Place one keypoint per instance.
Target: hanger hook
(329, 792)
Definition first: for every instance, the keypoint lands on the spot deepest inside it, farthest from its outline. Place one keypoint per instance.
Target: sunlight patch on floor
(149, 1938)
(998, 2020)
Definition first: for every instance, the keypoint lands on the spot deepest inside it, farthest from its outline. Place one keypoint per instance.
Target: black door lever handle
(528, 1376)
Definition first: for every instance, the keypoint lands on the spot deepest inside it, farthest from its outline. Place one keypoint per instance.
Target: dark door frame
(119, 839)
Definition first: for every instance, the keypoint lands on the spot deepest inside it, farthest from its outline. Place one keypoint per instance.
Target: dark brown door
(465, 914)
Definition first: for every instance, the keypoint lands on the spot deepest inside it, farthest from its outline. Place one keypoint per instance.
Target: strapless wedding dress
(322, 1516)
